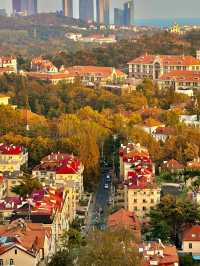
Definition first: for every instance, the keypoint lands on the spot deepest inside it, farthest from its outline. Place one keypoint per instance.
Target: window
(15, 251)
(135, 208)
(135, 200)
(190, 245)
(11, 262)
(152, 200)
(144, 208)
(1, 262)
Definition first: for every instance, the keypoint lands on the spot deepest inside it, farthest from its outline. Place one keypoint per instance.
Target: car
(108, 177)
(106, 186)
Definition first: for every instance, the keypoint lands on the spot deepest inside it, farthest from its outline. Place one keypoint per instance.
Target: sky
(145, 9)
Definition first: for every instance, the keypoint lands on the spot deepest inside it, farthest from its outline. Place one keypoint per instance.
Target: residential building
(129, 13)
(190, 120)
(86, 10)
(23, 243)
(163, 133)
(68, 8)
(53, 78)
(159, 254)
(150, 125)
(103, 11)
(99, 38)
(191, 240)
(12, 158)
(3, 187)
(123, 219)
(61, 169)
(8, 64)
(172, 166)
(176, 29)
(96, 74)
(43, 65)
(154, 66)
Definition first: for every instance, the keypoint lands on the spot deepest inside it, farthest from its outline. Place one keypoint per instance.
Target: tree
(61, 258)
(109, 249)
(27, 186)
(191, 151)
(171, 216)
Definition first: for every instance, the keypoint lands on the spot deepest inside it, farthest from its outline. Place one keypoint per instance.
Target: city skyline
(144, 9)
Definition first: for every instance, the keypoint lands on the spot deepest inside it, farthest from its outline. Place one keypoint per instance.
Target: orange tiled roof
(123, 218)
(180, 60)
(49, 76)
(181, 76)
(173, 164)
(192, 234)
(151, 122)
(93, 70)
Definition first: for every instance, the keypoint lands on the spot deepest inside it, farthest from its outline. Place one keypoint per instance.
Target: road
(99, 209)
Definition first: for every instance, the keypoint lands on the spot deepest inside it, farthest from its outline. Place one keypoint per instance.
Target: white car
(106, 186)
(108, 177)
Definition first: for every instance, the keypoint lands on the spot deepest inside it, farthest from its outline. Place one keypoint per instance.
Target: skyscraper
(68, 8)
(129, 13)
(28, 7)
(118, 16)
(16, 5)
(86, 10)
(103, 11)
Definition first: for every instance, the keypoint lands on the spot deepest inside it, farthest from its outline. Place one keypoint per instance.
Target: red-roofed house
(181, 81)
(155, 253)
(12, 157)
(58, 169)
(96, 74)
(43, 65)
(163, 133)
(123, 219)
(191, 240)
(172, 166)
(154, 66)
(150, 125)
(24, 243)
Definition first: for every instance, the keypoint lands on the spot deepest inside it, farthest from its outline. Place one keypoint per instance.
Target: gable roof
(182, 60)
(192, 234)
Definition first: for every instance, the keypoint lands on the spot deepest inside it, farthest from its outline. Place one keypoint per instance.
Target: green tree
(61, 258)
(109, 249)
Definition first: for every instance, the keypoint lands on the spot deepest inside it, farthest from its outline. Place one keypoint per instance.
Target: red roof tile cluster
(93, 70)
(165, 131)
(30, 237)
(42, 63)
(192, 233)
(172, 165)
(166, 60)
(154, 253)
(140, 174)
(60, 163)
(49, 76)
(151, 122)
(181, 76)
(10, 149)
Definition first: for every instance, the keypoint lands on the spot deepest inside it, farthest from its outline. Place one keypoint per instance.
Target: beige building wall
(195, 247)
(141, 201)
(20, 258)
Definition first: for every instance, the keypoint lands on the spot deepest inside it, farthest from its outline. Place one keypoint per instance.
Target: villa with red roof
(23, 243)
(172, 166)
(154, 66)
(150, 125)
(159, 254)
(58, 169)
(12, 157)
(43, 65)
(191, 240)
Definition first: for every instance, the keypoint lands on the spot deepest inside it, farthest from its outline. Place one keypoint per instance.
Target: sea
(167, 22)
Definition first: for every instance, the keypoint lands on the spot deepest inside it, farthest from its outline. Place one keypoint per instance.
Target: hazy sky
(144, 8)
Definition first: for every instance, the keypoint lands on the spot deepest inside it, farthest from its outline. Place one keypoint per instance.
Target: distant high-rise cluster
(24, 7)
(68, 8)
(124, 16)
(86, 10)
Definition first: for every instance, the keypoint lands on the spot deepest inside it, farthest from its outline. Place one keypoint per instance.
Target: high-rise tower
(103, 11)
(129, 13)
(28, 7)
(68, 8)
(86, 10)
(16, 5)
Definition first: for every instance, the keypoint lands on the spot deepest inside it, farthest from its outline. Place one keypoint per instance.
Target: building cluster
(42, 69)
(125, 16)
(24, 7)
(32, 225)
(178, 72)
(8, 64)
(94, 38)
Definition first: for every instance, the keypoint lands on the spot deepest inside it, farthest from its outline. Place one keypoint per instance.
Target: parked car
(106, 186)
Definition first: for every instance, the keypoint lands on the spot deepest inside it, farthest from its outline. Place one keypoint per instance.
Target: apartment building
(8, 64)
